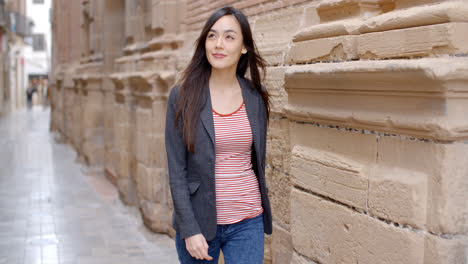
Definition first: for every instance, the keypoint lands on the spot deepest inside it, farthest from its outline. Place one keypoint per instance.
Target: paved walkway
(51, 213)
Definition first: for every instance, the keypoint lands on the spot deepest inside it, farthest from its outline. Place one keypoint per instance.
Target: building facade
(38, 52)
(367, 142)
(15, 29)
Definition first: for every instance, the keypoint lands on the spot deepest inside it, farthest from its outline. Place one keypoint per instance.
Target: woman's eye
(211, 35)
(229, 37)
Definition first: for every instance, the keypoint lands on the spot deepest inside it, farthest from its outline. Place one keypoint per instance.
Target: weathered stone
(143, 121)
(420, 192)
(143, 148)
(321, 162)
(281, 244)
(411, 3)
(296, 259)
(272, 32)
(158, 151)
(443, 12)
(330, 233)
(442, 39)
(345, 93)
(347, 182)
(337, 48)
(156, 216)
(159, 114)
(275, 86)
(144, 182)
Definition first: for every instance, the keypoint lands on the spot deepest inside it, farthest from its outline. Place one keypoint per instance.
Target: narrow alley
(51, 212)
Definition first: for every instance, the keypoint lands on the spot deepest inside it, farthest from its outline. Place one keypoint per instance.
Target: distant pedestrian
(29, 94)
(216, 127)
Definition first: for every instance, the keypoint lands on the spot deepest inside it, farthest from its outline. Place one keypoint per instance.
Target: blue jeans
(241, 243)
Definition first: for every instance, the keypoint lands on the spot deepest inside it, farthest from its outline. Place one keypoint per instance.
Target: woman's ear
(244, 50)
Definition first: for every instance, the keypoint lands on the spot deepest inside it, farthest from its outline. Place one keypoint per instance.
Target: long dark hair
(194, 89)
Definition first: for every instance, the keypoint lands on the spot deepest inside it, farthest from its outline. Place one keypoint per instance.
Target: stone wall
(367, 140)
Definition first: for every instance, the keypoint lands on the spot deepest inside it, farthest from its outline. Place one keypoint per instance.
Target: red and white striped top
(237, 190)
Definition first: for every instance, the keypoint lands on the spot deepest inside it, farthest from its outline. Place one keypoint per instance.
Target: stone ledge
(172, 40)
(142, 83)
(399, 19)
(423, 98)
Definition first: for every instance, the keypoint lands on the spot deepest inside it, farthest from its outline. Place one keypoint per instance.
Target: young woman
(216, 127)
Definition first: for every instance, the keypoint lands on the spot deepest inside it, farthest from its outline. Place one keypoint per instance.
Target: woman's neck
(223, 79)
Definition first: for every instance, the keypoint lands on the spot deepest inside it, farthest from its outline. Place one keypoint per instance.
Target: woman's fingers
(197, 247)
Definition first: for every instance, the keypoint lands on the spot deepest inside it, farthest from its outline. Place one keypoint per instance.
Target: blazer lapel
(251, 107)
(206, 116)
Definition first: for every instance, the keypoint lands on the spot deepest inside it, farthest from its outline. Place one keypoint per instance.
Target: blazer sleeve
(184, 218)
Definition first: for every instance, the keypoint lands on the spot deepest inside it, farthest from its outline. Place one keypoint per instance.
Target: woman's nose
(219, 43)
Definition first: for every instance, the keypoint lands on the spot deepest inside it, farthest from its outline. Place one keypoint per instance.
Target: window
(38, 42)
(38, 1)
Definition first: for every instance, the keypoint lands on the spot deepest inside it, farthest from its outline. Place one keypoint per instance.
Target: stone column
(114, 41)
(124, 120)
(56, 90)
(152, 181)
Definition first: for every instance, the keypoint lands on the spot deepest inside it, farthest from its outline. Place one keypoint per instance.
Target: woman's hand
(197, 247)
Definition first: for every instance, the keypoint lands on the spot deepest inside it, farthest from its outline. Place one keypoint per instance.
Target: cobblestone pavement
(50, 212)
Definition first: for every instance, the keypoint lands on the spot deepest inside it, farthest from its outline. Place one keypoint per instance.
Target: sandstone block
(281, 243)
(127, 190)
(453, 250)
(297, 259)
(158, 117)
(122, 137)
(430, 40)
(144, 182)
(143, 121)
(275, 85)
(278, 143)
(92, 117)
(124, 165)
(143, 148)
(156, 216)
(338, 10)
(348, 94)
(333, 163)
(423, 191)
(273, 31)
(450, 192)
(330, 233)
(279, 190)
(331, 175)
(326, 49)
(422, 15)
(94, 98)
(399, 184)
(158, 151)
(410, 3)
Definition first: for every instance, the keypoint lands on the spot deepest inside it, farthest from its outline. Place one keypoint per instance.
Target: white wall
(39, 62)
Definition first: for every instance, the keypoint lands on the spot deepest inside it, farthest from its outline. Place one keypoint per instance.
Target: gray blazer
(192, 175)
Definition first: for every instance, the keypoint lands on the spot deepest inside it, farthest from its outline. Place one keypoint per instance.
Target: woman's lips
(219, 55)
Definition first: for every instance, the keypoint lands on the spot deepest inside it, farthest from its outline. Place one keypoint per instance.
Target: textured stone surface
(377, 145)
(434, 40)
(330, 233)
(346, 93)
(421, 191)
(281, 244)
(336, 48)
(321, 162)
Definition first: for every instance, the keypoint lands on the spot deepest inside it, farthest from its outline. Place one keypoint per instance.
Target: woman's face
(224, 43)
